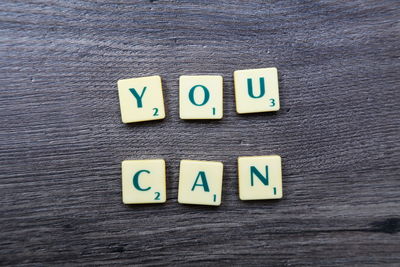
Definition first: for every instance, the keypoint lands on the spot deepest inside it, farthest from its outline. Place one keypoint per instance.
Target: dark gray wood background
(62, 140)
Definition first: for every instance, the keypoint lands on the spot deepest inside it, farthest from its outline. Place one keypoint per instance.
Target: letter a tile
(256, 90)
(200, 182)
(143, 181)
(260, 177)
(200, 97)
(141, 99)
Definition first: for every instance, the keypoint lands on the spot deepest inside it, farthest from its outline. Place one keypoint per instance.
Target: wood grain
(62, 140)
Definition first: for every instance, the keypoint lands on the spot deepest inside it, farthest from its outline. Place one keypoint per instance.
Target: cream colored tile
(200, 182)
(200, 97)
(141, 99)
(143, 181)
(256, 90)
(260, 177)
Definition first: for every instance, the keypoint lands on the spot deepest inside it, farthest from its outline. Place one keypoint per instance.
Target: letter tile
(141, 99)
(200, 97)
(256, 90)
(260, 177)
(143, 181)
(200, 182)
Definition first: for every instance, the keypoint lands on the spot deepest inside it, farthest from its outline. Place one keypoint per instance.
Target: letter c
(136, 181)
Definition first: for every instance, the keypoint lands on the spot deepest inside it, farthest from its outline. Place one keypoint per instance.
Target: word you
(200, 96)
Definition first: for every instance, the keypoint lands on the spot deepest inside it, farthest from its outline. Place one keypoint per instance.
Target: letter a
(204, 183)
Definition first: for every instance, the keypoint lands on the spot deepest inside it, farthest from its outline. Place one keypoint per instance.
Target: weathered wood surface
(61, 139)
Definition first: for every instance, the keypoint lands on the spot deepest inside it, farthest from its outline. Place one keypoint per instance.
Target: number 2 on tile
(155, 112)
(272, 102)
(157, 196)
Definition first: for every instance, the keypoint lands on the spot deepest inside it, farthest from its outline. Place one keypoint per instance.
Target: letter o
(206, 95)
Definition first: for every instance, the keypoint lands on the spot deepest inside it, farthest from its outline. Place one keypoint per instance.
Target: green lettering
(206, 95)
(137, 96)
(204, 184)
(263, 179)
(136, 181)
(272, 102)
(250, 88)
(155, 112)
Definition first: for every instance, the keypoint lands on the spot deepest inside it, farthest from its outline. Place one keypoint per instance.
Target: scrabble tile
(141, 99)
(200, 182)
(260, 177)
(143, 181)
(200, 97)
(256, 90)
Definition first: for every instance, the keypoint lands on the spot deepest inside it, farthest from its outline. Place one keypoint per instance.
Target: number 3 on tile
(157, 196)
(155, 112)
(272, 102)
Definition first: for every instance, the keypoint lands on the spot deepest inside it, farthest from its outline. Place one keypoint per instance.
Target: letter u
(250, 88)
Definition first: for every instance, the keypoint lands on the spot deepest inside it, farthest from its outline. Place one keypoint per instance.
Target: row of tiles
(200, 97)
(200, 182)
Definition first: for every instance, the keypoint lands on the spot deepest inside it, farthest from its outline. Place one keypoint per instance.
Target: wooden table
(62, 140)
